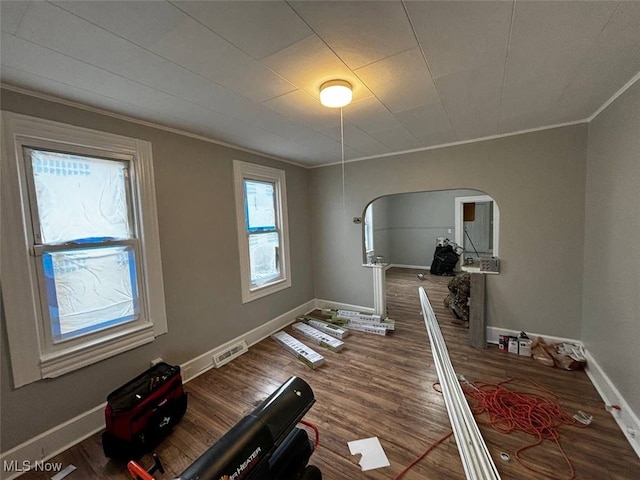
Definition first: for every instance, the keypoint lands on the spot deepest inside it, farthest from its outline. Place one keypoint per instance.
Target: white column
(379, 289)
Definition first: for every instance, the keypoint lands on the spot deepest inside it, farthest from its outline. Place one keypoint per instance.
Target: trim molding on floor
(625, 417)
(61, 437)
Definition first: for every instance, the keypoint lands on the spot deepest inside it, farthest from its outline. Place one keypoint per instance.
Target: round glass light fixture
(335, 93)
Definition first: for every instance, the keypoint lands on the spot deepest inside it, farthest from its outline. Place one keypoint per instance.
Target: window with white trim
(82, 279)
(263, 235)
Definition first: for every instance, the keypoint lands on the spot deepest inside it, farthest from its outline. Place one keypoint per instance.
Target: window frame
(250, 171)
(33, 353)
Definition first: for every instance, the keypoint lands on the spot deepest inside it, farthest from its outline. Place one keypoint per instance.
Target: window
(261, 207)
(368, 230)
(83, 279)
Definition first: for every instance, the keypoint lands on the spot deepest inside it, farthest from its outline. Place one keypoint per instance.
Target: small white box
(513, 345)
(524, 347)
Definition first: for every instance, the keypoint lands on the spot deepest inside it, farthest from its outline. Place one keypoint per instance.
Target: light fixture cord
(344, 209)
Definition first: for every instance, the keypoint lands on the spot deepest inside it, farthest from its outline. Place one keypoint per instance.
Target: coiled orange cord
(508, 411)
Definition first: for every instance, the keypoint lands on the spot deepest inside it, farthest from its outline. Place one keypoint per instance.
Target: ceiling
(248, 73)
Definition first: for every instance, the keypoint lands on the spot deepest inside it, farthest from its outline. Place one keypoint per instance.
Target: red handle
(137, 472)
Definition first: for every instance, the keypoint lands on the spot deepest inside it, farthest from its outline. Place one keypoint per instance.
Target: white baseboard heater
(476, 460)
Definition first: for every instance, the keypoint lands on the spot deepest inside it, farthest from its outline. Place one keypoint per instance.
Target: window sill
(65, 361)
(260, 292)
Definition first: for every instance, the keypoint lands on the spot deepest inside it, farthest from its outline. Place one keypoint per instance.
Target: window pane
(80, 197)
(263, 257)
(90, 289)
(260, 206)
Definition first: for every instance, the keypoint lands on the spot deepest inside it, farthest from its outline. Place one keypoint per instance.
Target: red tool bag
(143, 411)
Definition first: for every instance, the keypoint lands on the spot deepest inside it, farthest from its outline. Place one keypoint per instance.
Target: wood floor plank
(383, 386)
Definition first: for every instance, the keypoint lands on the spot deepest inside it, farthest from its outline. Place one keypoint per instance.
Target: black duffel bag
(444, 261)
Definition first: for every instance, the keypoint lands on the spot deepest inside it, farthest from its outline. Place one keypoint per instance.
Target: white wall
(611, 301)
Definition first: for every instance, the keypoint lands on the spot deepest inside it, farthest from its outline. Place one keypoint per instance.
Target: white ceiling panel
(219, 61)
(549, 42)
(426, 121)
(305, 109)
(249, 72)
(309, 63)
(34, 82)
(12, 13)
(370, 115)
(363, 143)
(143, 23)
(29, 57)
(460, 36)
(472, 100)
(396, 138)
(352, 29)
(259, 28)
(612, 61)
(400, 82)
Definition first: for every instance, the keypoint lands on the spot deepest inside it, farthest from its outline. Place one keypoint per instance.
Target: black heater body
(264, 445)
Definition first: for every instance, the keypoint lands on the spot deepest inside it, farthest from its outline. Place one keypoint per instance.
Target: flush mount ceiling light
(335, 93)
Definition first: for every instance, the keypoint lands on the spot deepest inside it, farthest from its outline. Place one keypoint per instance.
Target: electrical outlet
(631, 431)
(156, 361)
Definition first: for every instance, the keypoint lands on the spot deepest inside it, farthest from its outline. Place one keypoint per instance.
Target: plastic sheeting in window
(90, 289)
(80, 197)
(260, 205)
(263, 257)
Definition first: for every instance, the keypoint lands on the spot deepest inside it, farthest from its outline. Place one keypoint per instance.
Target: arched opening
(403, 229)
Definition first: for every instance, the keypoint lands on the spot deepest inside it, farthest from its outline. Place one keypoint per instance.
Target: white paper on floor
(373, 455)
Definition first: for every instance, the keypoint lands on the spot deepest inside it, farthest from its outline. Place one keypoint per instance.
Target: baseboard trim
(320, 303)
(202, 363)
(54, 441)
(415, 267)
(626, 419)
(494, 332)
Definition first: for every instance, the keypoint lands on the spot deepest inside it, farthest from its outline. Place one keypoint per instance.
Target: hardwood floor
(383, 386)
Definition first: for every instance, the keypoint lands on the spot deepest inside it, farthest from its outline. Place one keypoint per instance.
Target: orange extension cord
(509, 411)
(422, 455)
(539, 415)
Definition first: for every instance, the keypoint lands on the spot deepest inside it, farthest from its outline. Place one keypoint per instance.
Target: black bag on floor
(143, 411)
(444, 261)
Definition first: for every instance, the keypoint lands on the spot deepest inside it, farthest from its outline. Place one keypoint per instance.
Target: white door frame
(459, 216)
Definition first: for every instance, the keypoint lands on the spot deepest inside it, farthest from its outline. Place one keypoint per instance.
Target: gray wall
(538, 181)
(611, 305)
(200, 262)
(413, 223)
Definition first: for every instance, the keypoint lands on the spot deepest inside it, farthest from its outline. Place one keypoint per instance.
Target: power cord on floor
(538, 414)
(422, 455)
